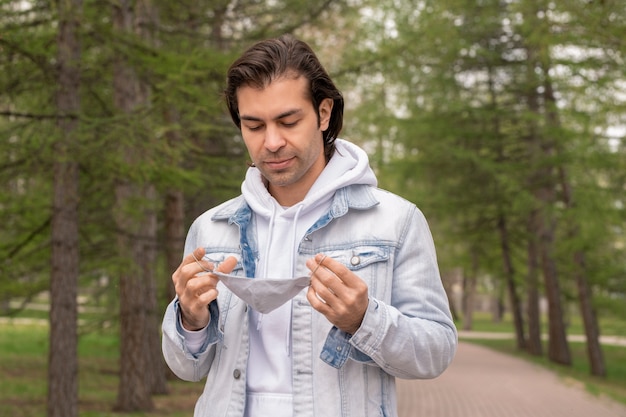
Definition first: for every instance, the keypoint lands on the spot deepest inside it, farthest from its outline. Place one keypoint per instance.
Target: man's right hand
(195, 292)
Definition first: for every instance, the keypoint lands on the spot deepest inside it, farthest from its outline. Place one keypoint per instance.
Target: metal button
(355, 260)
(236, 373)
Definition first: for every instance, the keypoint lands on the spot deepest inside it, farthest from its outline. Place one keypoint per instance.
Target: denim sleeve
(412, 335)
(212, 334)
(337, 349)
(185, 364)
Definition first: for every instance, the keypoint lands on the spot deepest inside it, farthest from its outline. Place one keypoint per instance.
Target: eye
(290, 124)
(254, 128)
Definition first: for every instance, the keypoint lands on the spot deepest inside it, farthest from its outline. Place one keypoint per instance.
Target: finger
(322, 293)
(318, 302)
(195, 264)
(206, 297)
(326, 276)
(341, 288)
(200, 284)
(340, 271)
(228, 265)
(326, 294)
(204, 286)
(190, 259)
(197, 259)
(194, 256)
(190, 269)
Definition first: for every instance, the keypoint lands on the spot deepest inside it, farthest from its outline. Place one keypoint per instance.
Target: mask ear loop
(318, 265)
(202, 266)
(313, 272)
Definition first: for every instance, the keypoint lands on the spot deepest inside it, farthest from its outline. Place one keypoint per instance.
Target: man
(372, 308)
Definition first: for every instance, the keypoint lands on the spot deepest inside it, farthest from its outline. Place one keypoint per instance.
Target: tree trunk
(174, 243)
(592, 329)
(469, 297)
(175, 236)
(133, 390)
(174, 215)
(469, 294)
(498, 307)
(156, 372)
(139, 323)
(585, 298)
(450, 279)
(558, 348)
(147, 19)
(533, 345)
(509, 272)
(63, 357)
(136, 243)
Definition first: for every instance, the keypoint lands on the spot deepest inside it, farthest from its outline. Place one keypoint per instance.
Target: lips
(279, 164)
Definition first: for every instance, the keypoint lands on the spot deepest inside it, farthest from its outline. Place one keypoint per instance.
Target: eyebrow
(280, 116)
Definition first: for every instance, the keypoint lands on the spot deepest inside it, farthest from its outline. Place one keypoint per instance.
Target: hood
(348, 166)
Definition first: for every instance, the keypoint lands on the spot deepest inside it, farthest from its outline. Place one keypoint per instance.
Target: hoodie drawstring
(265, 265)
(294, 255)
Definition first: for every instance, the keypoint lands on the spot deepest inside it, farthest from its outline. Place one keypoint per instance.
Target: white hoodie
(279, 231)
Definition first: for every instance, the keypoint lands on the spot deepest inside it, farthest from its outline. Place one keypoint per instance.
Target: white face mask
(264, 295)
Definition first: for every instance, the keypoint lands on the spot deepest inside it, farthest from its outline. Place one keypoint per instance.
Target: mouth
(279, 164)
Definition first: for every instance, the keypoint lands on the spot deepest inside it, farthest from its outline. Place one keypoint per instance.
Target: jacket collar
(358, 197)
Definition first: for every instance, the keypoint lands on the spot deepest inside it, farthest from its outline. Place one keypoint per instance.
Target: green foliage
(449, 97)
(191, 152)
(453, 103)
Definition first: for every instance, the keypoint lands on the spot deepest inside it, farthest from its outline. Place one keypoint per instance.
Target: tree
(490, 116)
(542, 182)
(63, 358)
(136, 223)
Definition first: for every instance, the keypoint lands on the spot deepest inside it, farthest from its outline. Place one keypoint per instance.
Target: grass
(608, 325)
(23, 386)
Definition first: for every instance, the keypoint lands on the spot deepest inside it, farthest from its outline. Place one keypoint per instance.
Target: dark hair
(270, 59)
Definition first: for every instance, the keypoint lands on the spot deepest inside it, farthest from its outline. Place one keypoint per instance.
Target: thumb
(227, 265)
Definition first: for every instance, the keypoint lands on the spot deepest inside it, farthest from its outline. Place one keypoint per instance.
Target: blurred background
(503, 120)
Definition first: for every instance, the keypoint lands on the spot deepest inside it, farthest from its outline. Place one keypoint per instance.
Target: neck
(288, 196)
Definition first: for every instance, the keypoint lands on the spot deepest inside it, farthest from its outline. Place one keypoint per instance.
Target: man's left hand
(337, 293)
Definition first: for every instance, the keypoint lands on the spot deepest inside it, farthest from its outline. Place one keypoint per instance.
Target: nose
(274, 139)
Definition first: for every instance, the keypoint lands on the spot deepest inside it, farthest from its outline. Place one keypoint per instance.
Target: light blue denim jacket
(407, 331)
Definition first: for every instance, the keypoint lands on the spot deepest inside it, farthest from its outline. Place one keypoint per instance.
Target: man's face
(280, 128)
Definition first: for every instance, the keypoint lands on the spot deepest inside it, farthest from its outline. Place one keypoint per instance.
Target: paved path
(484, 383)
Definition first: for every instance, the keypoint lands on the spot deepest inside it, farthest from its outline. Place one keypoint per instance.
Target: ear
(325, 110)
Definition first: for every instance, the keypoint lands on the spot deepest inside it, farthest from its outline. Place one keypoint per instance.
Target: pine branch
(37, 116)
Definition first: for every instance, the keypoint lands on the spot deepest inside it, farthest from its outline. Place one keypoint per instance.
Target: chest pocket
(370, 263)
(218, 257)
